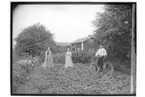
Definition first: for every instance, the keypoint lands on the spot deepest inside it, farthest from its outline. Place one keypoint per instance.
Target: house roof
(82, 39)
(63, 44)
(76, 41)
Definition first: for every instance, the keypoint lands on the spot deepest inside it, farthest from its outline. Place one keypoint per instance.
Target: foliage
(82, 57)
(113, 29)
(77, 57)
(120, 66)
(59, 58)
(15, 57)
(76, 80)
(34, 41)
(21, 71)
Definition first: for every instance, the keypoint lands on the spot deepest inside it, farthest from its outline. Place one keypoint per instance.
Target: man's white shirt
(101, 52)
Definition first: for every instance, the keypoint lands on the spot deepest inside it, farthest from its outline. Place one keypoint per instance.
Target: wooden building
(63, 46)
(82, 44)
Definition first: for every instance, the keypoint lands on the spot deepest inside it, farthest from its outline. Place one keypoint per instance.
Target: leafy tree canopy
(34, 41)
(113, 28)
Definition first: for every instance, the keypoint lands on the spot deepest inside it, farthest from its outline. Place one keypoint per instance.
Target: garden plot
(76, 80)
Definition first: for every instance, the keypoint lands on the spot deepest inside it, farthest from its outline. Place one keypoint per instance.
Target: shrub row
(59, 58)
(77, 57)
(86, 58)
(82, 57)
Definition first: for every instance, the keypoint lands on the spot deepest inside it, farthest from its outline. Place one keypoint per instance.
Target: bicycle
(106, 69)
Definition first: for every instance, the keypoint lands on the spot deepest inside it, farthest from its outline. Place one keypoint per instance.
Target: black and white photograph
(73, 48)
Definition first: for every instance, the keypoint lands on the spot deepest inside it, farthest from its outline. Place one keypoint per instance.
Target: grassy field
(76, 80)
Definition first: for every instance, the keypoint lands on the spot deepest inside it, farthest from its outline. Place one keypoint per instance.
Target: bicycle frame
(104, 65)
(96, 62)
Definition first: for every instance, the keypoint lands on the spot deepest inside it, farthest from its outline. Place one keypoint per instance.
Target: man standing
(101, 54)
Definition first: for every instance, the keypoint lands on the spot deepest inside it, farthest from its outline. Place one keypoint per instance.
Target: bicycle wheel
(108, 68)
(94, 67)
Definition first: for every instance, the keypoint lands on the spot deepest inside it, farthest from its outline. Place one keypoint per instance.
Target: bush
(21, 71)
(82, 57)
(59, 58)
(119, 66)
(77, 57)
(15, 57)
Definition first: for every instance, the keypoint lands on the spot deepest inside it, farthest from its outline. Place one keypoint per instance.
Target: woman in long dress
(48, 63)
(68, 60)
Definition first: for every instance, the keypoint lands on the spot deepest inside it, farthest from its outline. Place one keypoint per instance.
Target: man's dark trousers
(100, 62)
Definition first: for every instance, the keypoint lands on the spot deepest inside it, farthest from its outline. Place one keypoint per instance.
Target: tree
(34, 41)
(113, 29)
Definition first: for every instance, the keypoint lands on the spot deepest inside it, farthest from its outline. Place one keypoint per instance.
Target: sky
(66, 22)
